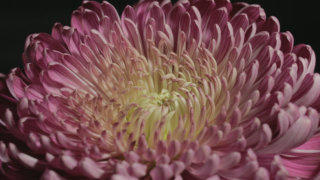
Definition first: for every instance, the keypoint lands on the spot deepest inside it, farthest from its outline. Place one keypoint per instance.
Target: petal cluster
(199, 89)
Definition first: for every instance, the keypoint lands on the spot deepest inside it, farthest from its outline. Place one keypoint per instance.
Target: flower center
(161, 109)
(160, 97)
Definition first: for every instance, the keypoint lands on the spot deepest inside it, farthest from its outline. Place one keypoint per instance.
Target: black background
(20, 18)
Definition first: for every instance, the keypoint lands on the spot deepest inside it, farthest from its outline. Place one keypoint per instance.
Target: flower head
(195, 90)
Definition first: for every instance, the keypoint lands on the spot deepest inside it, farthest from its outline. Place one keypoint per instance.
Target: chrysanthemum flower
(196, 90)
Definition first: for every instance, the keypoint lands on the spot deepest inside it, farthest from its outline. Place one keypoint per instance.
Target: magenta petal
(161, 172)
(51, 175)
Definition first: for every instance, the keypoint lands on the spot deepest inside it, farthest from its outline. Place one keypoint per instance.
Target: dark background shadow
(20, 18)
